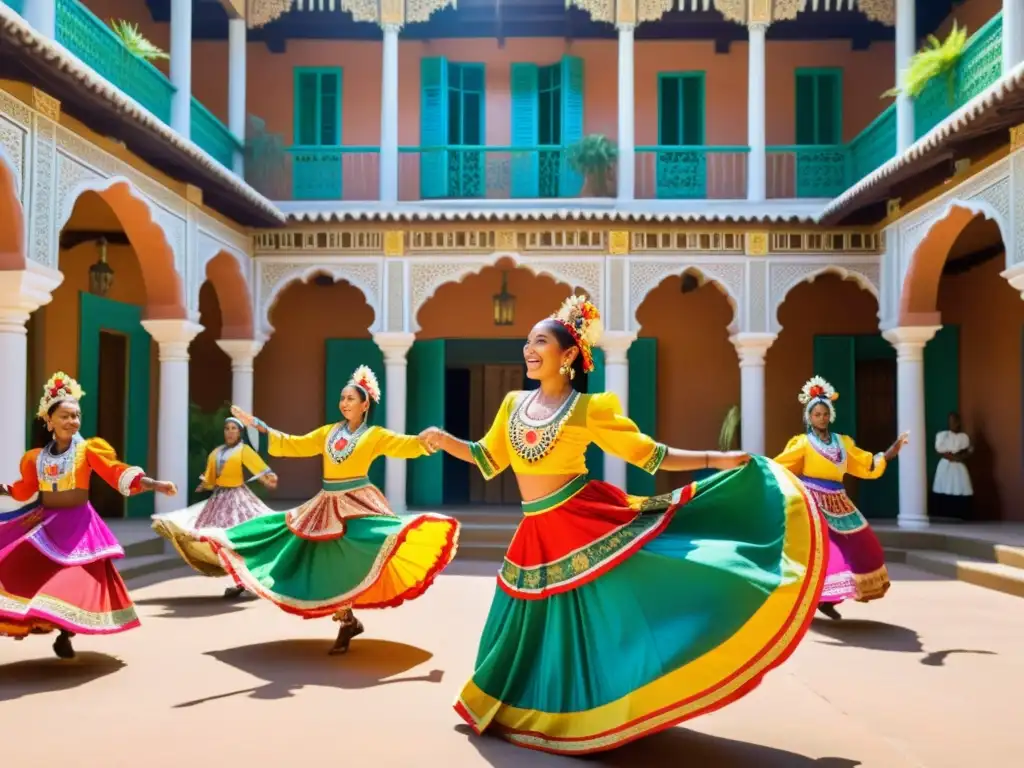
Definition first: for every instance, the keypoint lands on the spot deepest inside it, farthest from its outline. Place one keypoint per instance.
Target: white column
(242, 353)
(42, 15)
(626, 172)
(752, 348)
(395, 347)
(181, 66)
(1013, 33)
(616, 346)
(237, 86)
(173, 338)
(906, 45)
(389, 119)
(22, 292)
(757, 160)
(909, 343)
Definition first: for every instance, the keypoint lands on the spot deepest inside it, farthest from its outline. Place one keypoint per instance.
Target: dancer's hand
(894, 451)
(269, 480)
(431, 438)
(728, 460)
(200, 488)
(165, 487)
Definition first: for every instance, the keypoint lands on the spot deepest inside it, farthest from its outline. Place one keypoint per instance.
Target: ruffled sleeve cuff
(130, 481)
(653, 463)
(484, 460)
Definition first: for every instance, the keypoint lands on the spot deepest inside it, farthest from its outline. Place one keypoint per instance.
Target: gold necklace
(533, 439)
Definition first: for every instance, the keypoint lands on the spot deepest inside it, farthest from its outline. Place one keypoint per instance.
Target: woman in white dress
(952, 486)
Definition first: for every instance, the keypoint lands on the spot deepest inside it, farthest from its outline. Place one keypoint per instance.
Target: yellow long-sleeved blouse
(346, 456)
(558, 445)
(231, 461)
(803, 456)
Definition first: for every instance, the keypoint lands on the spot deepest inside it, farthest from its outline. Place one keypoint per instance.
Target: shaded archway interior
(12, 221)
(698, 379)
(290, 371)
(224, 273)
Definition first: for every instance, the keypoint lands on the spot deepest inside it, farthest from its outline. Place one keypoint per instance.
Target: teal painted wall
(98, 314)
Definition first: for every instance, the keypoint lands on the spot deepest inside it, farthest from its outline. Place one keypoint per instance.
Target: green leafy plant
(730, 427)
(136, 43)
(595, 157)
(266, 160)
(936, 59)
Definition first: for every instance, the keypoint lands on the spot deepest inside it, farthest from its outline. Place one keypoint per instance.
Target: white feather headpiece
(816, 391)
(366, 380)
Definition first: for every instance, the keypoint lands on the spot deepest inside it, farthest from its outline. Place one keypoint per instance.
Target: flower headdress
(365, 379)
(59, 387)
(816, 391)
(583, 322)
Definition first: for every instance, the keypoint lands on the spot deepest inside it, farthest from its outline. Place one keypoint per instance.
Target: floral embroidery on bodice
(533, 439)
(832, 451)
(341, 442)
(52, 468)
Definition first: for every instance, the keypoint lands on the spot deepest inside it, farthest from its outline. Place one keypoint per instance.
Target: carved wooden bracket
(381, 12)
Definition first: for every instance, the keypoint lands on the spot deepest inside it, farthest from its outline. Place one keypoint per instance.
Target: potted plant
(594, 157)
(135, 42)
(934, 60)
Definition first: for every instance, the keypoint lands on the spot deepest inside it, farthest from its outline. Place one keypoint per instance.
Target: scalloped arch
(845, 273)
(165, 291)
(227, 275)
(12, 216)
(440, 274)
(658, 272)
(303, 274)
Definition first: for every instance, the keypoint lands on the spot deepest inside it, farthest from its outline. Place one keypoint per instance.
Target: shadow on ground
(193, 607)
(880, 636)
(290, 665)
(50, 675)
(674, 747)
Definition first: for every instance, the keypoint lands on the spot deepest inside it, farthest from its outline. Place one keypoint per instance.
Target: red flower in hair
(816, 392)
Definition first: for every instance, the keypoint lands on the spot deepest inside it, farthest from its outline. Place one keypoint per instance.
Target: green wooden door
(343, 356)
(835, 360)
(525, 130)
(643, 406)
(434, 128)
(880, 498)
(595, 383)
(941, 389)
(425, 404)
(97, 314)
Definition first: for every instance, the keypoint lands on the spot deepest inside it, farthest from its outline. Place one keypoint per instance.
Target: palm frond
(730, 426)
(935, 59)
(136, 43)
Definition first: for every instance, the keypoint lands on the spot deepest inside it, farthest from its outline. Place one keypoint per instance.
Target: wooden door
(876, 429)
(110, 417)
(488, 386)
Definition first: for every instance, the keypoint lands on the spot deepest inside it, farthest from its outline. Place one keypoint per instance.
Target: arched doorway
(684, 374)
(974, 364)
(830, 329)
(94, 332)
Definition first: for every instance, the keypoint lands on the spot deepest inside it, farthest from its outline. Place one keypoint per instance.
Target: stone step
(481, 551)
(487, 533)
(965, 545)
(990, 575)
(154, 545)
(144, 565)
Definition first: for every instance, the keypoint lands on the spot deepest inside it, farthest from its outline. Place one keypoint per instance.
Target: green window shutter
(570, 182)
(835, 360)
(643, 406)
(434, 128)
(942, 388)
(830, 109)
(595, 383)
(681, 174)
(525, 165)
(819, 107)
(343, 356)
(318, 107)
(692, 98)
(467, 175)
(805, 108)
(425, 403)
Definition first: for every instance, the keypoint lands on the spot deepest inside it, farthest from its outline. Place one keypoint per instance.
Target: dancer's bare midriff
(64, 499)
(533, 487)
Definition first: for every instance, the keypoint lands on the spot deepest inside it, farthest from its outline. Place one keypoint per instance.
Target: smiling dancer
(618, 616)
(344, 548)
(230, 504)
(856, 564)
(56, 569)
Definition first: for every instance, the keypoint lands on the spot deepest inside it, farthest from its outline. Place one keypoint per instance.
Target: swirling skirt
(342, 549)
(226, 508)
(616, 617)
(57, 572)
(856, 561)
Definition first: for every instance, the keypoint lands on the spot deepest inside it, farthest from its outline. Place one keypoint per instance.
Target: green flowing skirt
(676, 608)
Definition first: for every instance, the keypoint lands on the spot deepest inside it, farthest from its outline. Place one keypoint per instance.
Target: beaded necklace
(832, 450)
(53, 467)
(341, 442)
(533, 439)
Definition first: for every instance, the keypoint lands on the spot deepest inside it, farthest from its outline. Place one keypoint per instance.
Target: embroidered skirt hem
(645, 637)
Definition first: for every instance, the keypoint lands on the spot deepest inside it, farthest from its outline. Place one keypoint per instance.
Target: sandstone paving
(930, 676)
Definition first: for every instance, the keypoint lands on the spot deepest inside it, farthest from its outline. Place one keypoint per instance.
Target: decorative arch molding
(426, 277)
(785, 276)
(227, 274)
(273, 276)
(12, 215)
(644, 275)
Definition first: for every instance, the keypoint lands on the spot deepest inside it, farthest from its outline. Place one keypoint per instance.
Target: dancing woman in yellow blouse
(617, 616)
(344, 548)
(230, 504)
(856, 564)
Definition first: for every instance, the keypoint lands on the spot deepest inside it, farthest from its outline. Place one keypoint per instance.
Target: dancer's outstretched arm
(490, 454)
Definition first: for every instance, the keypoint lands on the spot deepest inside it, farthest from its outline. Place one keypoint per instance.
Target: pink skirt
(856, 560)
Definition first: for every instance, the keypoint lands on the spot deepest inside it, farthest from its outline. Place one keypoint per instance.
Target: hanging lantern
(504, 304)
(101, 274)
